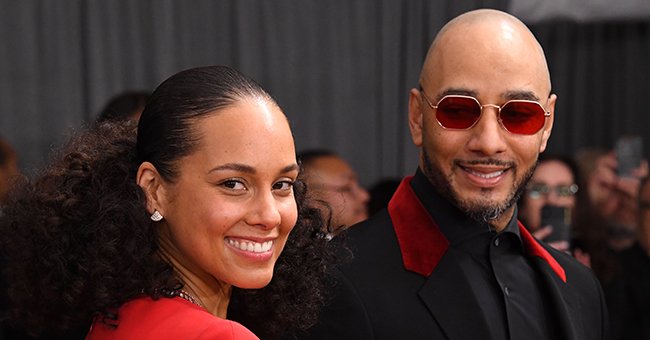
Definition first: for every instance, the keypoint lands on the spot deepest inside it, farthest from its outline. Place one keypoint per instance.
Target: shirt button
(507, 291)
(496, 242)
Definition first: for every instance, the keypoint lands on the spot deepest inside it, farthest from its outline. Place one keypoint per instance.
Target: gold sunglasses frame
(547, 113)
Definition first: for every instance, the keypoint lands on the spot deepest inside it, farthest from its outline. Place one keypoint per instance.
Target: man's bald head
(492, 57)
(486, 33)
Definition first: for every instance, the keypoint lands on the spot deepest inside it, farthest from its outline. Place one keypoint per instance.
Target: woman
(149, 239)
(552, 184)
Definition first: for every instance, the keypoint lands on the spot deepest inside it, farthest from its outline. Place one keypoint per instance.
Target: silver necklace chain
(187, 296)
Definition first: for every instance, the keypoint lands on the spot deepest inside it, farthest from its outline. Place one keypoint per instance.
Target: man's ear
(151, 183)
(415, 117)
(548, 125)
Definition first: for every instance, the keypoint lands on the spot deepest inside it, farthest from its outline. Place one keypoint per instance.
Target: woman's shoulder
(167, 318)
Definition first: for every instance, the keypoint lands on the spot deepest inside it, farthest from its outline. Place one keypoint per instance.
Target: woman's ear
(151, 183)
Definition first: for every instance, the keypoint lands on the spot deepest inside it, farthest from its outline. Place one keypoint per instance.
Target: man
(448, 259)
(332, 182)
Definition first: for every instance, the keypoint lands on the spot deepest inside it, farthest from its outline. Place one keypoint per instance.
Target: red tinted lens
(522, 117)
(455, 112)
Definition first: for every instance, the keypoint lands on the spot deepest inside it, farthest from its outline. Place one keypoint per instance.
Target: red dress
(167, 318)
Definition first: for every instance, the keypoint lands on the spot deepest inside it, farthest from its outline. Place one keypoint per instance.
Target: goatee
(482, 211)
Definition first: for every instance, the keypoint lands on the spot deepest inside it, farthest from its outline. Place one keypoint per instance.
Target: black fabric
(528, 311)
(505, 283)
(628, 295)
(377, 298)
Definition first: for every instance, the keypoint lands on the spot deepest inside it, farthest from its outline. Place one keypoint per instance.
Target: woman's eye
(233, 184)
(283, 185)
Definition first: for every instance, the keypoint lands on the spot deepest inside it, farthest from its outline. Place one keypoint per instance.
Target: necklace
(187, 296)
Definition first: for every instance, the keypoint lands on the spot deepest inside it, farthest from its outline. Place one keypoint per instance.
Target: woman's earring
(156, 216)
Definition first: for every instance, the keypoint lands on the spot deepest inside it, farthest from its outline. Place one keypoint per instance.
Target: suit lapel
(426, 251)
(420, 240)
(555, 280)
(449, 286)
(563, 300)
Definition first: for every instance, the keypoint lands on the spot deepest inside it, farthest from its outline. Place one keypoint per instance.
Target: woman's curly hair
(78, 242)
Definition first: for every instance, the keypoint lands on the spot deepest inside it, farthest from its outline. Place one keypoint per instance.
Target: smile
(485, 175)
(251, 246)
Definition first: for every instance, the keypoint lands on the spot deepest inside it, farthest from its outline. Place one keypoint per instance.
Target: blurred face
(548, 186)
(481, 169)
(228, 215)
(332, 180)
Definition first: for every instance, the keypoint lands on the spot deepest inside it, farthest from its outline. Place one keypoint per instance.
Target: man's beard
(480, 210)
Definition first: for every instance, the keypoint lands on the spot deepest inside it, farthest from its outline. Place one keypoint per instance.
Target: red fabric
(535, 249)
(420, 240)
(168, 318)
(423, 244)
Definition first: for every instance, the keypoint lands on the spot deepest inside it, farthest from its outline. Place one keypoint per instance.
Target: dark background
(341, 69)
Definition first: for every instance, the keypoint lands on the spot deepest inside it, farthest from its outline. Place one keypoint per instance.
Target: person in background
(9, 170)
(609, 219)
(606, 211)
(124, 106)
(448, 258)
(333, 182)
(9, 173)
(612, 198)
(554, 184)
(630, 314)
(155, 234)
(630, 306)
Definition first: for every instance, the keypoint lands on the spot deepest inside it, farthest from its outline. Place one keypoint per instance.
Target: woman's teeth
(254, 247)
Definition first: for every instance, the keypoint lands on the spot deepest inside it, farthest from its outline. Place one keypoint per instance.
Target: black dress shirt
(509, 289)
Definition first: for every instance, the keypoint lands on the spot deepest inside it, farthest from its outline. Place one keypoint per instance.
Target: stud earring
(156, 216)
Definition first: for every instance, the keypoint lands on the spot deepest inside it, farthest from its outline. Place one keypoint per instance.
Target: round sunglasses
(459, 112)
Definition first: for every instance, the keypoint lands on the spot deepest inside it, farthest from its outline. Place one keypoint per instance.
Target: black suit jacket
(391, 291)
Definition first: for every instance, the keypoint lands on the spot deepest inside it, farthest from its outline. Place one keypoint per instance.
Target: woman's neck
(209, 293)
(214, 301)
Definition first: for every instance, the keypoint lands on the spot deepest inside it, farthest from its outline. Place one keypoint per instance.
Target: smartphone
(629, 152)
(560, 219)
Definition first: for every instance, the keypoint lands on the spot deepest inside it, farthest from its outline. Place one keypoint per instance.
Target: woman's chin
(254, 282)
